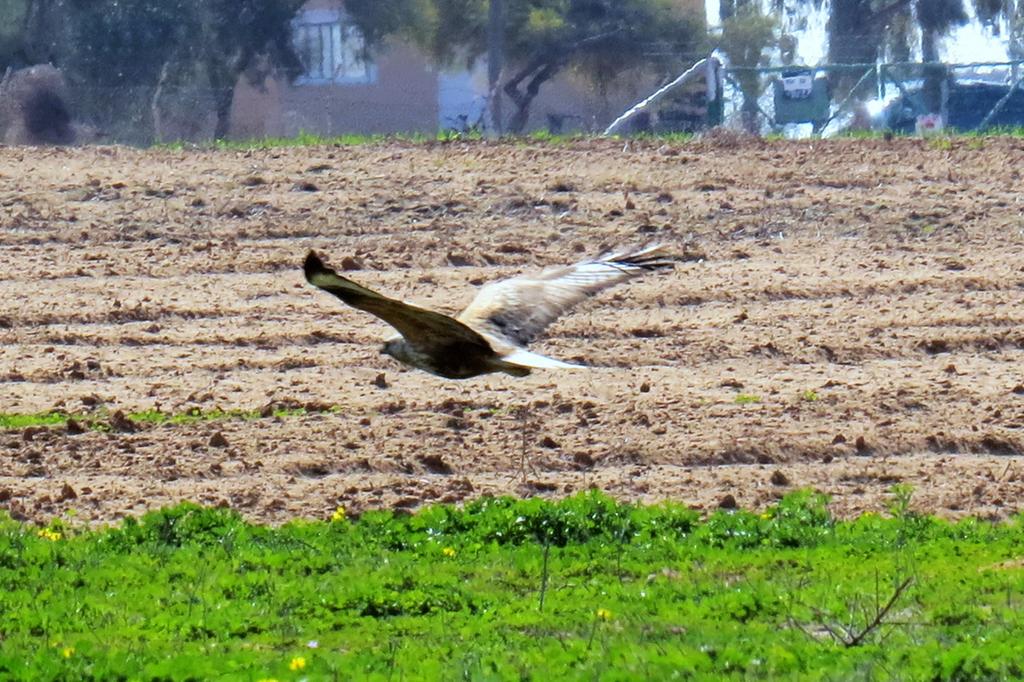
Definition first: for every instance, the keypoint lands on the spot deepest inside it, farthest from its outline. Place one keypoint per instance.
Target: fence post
(715, 92)
(944, 100)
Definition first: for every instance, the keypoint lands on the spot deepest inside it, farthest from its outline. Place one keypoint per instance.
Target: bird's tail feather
(649, 257)
(525, 358)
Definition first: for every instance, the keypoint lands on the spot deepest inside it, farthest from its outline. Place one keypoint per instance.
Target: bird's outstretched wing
(517, 310)
(424, 329)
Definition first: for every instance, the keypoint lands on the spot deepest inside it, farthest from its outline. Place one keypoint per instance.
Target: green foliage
(633, 593)
(746, 35)
(140, 38)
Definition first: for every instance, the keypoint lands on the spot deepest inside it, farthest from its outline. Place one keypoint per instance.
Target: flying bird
(492, 333)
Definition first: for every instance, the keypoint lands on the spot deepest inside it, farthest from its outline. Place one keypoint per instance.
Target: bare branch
(847, 636)
(880, 615)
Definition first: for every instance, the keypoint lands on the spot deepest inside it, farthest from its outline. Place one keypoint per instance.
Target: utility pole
(495, 58)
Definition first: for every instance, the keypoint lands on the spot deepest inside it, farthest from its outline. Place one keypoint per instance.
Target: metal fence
(902, 97)
(817, 100)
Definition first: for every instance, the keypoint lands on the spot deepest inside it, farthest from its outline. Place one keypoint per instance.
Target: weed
(902, 493)
(746, 399)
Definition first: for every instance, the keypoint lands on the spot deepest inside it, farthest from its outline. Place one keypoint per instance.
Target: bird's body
(490, 335)
(456, 360)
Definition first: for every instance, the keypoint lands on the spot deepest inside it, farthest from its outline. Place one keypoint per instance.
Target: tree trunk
(223, 76)
(542, 71)
(931, 91)
(154, 103)
(495, 61)
(748, 115)
(223, 98)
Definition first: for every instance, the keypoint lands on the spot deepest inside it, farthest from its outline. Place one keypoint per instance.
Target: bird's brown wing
(516, 310)
(425, 330)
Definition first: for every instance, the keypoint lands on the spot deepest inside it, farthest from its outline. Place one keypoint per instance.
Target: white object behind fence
(710, 66)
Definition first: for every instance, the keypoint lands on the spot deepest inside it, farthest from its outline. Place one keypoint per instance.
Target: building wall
(403, 97)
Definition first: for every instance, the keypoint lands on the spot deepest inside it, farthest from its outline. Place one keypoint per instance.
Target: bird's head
(395, 348)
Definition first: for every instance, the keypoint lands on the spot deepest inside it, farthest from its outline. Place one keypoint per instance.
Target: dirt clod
(121, 423)
(351, 264)
(435, 464)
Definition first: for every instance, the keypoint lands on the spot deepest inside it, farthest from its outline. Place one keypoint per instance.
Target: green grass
(303, 139)
(586, 588)
(308, 139)
(22, 421)
(102, 420)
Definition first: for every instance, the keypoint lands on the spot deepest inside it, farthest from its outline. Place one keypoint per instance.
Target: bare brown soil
(848, 315)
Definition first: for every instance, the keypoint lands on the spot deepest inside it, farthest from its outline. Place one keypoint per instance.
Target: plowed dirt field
(846, 315)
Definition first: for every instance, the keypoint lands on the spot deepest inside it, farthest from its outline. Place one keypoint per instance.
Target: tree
(865, 31)
(600, 38)
(241, 37)
(746, 35)
(115, 46)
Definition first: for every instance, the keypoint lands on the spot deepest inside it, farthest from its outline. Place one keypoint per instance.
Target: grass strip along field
(529, 589)
(102, 420)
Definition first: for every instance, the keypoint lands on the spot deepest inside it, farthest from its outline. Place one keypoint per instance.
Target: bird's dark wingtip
(312, 265)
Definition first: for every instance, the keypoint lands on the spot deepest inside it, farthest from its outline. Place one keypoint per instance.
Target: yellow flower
(766, 515)
(50, 535)
(297, 663)
(604, 614)
(448, 552)
(267, 679)
(338, 515)
(67, 651)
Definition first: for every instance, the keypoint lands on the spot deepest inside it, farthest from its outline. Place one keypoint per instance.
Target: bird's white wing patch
(518, 309)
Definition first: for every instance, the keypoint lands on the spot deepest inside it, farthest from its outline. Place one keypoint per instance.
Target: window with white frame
(331, 49)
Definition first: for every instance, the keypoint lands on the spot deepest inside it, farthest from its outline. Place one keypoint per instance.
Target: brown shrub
(34, 108)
